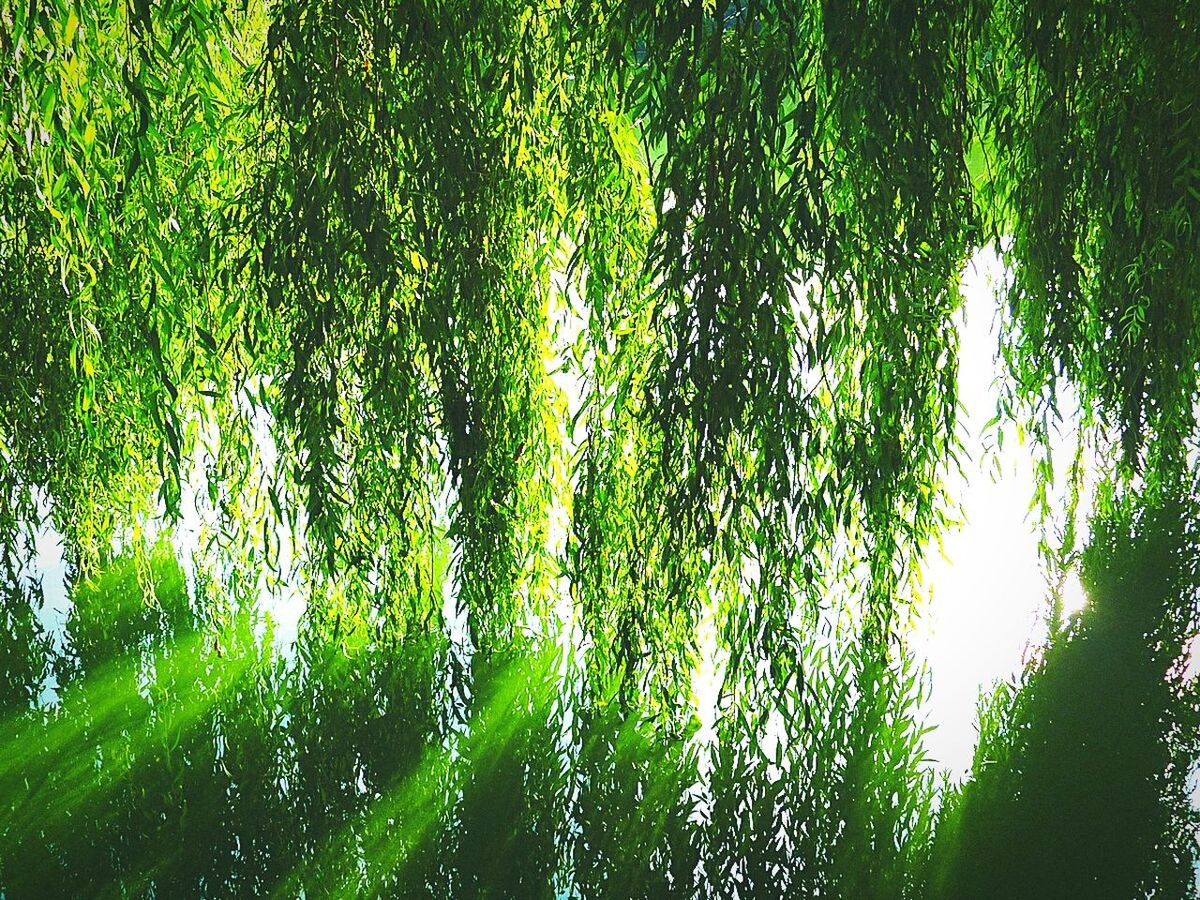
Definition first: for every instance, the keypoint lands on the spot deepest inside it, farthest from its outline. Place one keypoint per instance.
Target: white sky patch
(989, 600)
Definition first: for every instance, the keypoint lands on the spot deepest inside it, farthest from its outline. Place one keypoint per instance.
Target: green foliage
(348, 227)
(1092, 176)
(525, 342)
(801, 802)
(24, 647)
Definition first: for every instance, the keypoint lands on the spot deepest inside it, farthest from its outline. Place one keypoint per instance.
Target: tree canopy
(533, 341)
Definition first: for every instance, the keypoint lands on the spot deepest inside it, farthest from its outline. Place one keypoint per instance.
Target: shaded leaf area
(1081, 783)
(184, 756)
(1090, 170)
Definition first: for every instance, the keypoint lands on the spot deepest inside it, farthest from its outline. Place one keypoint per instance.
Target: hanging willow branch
(321, 243)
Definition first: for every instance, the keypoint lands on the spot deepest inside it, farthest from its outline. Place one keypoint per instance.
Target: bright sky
(989, 592)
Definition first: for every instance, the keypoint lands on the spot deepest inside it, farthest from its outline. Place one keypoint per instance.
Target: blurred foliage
(526, 343)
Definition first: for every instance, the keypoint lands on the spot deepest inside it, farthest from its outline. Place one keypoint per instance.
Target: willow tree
(584, 325)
